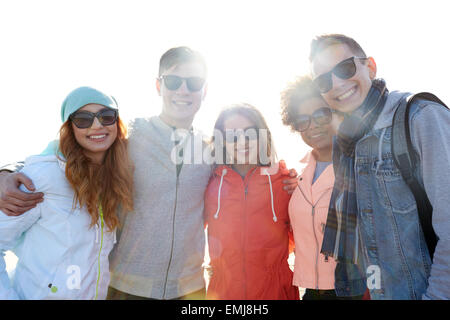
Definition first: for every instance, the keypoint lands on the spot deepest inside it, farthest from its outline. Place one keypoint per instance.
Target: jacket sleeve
(431, 138)
(282, 206)
(13, 167)
(11, 230)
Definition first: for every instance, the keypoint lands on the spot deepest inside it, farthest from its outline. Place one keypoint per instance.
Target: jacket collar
(323, 183)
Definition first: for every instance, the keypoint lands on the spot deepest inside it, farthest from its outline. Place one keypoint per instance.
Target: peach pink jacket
(308, 210)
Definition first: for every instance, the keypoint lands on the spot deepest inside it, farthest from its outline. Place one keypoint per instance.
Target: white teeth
(346, 94)
(182, 103)
(97, 137)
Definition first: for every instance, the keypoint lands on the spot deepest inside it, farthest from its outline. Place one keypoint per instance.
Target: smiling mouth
(97, 137)
(346, 94)
(317, 135)
(182, 103)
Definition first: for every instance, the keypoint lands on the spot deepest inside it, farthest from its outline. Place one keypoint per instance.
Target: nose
(336, 82)
(313, 124)
(241, 140)
(183, 89)
(96, 124)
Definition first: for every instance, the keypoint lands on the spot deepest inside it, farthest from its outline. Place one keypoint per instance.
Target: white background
(253, 48)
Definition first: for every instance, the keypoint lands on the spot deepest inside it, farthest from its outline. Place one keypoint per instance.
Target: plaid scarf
(341, 235)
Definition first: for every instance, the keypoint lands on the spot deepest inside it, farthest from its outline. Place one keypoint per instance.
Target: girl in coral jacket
(304, 111)
(246, 210)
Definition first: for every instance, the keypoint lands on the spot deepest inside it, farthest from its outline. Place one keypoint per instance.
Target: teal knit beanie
(82, 96)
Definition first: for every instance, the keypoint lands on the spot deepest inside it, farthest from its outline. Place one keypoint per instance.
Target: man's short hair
(322, 42)
(296, 93)
(178, 56)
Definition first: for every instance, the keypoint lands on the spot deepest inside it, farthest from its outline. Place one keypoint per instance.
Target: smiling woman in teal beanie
(63, 244)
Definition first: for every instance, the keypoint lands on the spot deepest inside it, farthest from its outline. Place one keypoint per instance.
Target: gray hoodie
(161, 244)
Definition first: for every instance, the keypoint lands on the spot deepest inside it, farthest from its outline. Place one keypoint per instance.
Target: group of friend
(111, 211)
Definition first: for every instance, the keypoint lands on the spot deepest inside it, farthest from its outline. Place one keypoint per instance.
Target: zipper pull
(312, 211)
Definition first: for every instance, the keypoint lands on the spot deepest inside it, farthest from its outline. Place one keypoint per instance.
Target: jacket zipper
(313, 206)
(245, 240)
(173, 240)
(316, 269)
(100, 251)
(244, 230)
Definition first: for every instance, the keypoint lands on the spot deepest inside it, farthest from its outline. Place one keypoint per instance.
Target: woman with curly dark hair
(304, 111)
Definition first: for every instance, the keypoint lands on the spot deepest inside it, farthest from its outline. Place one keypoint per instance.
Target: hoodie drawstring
(224, 172)
(271, 195)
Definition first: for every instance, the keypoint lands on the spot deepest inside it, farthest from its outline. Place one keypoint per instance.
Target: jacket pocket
(397, 194)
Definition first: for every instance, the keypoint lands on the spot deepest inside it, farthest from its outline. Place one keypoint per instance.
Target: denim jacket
(395, 254)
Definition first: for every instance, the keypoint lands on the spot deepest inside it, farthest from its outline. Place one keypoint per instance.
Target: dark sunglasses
(232, 136)
(344, 70)
(174, 82)
(321, 117)
(84, 119)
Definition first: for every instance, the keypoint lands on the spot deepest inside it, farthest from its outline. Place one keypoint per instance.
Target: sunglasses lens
(322, 116)
(303, 122)
(346, 69)
(82, 120)
(323, 82)
(195, 83)
(172, 82)
(107, 117)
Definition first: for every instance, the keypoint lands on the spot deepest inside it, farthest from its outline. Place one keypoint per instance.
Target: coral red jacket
(248, 235)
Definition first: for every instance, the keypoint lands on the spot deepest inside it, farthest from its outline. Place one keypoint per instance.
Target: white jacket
(60, 256)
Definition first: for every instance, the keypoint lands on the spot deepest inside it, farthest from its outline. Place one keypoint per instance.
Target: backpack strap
(406, 161)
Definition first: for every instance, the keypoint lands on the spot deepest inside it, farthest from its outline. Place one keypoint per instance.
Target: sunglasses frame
(93, 116)
(237, 133)
(327, 75)
(186, 80)
(312, 118)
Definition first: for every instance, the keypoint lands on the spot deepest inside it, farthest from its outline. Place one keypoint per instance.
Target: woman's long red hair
(109, 184)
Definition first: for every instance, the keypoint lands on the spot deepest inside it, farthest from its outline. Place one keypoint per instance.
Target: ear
(372, 68)
(205, 90)
(158, 86)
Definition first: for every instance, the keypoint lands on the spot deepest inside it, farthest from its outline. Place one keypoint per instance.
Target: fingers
(293, 173)
(13, 201)
(23, 179)
(21, 203)
(23, 197)
(12, 190)
(290, 185)
(12, 210)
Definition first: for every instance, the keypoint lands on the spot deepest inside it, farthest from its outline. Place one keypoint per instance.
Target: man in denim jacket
(394, 253)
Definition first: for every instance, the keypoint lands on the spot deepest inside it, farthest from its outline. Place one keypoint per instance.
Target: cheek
(328, 98)
(79, 134)
(113, 132)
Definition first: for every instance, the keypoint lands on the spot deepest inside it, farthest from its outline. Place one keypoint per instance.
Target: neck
(323, 155)
(243, 169)
(97, 157)
(179, 124)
